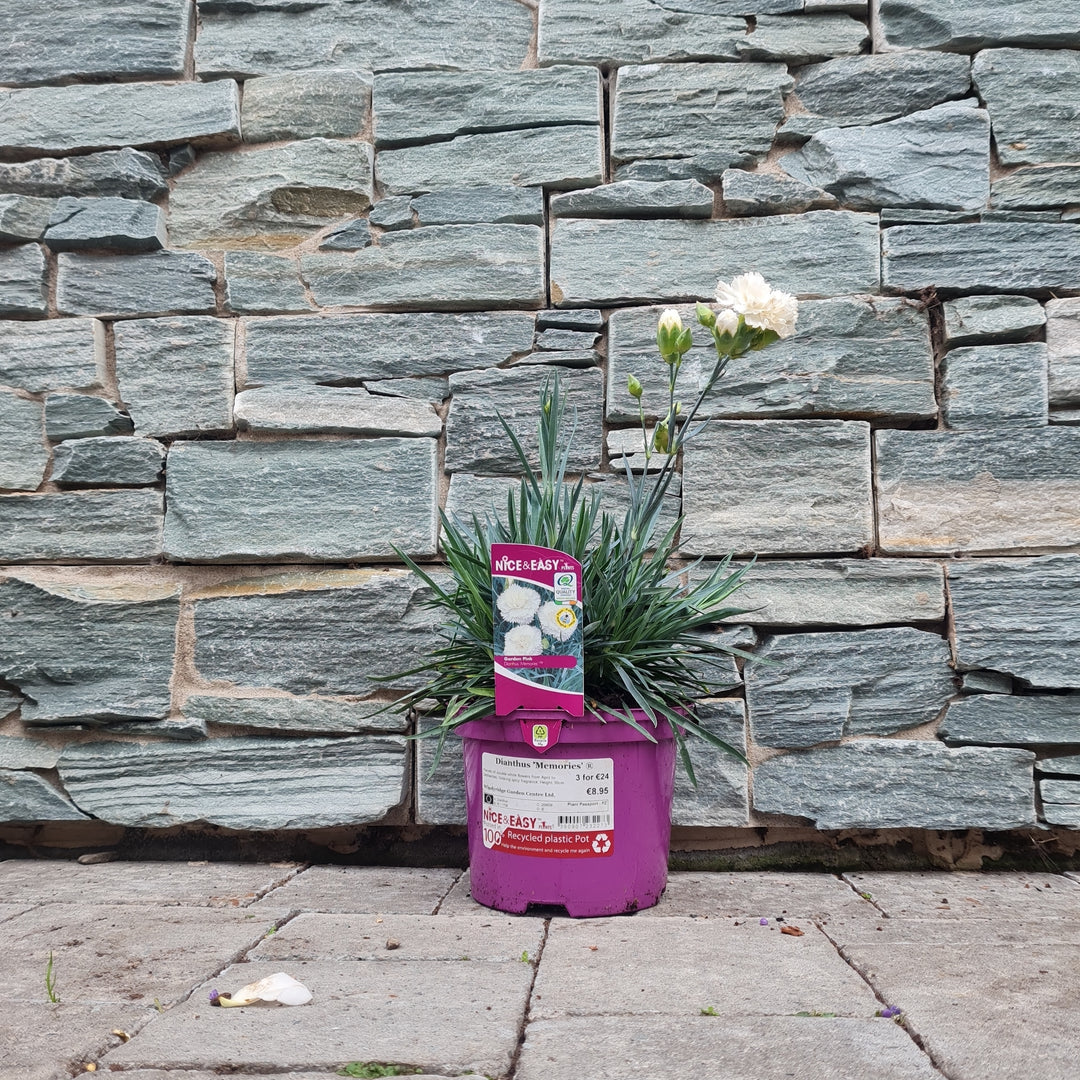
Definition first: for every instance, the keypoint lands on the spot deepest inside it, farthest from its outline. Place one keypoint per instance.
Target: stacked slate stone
(269, 271)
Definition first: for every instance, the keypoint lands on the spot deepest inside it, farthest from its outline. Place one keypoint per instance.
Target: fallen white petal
(278, 987)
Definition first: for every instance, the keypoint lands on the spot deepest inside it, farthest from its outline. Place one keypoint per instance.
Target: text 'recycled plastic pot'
(567, 811)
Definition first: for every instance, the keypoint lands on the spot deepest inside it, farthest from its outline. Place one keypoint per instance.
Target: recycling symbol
(601, 843)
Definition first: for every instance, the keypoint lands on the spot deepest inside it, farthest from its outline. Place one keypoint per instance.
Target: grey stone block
(900, 783)
(440, 795)
(840, 592)
(267, 38)
(80, 416)
(1068, 765)
(975, 320)
(87, 223)
(937, 158)
(750, 194)
(1034, 98)
(872, 87)
(23, 288)
(977, 491)
(432, 389)
(31, 798)
(392, 213)
(333, 410)
(144, 39)
(295, 637)
(995, 386)
(98, 526)
(777, 487)
(347, 500)
(822, 253)
(18, 753)
(556, 340)
(423, 106)
(285, 350)
(272, 198)
(891, 216)
(89, 651)
(563, 156)
(9, 704)
(224, 781)
(50, 355)
(476, 441)
(256, 283)
(1061, 802)
(971, 25)
(985, 682)
(848, 357)
(989, 257)
(306, 104)
(1001, 719)
(157, 283)
(443, 267)
(307, 715)
(1033, 188)
(498, 204)
(1063, 343)
(1018, 616)
(578, 319)
(814, 688)
(71, 119)
(570, 358)
(720, 798)
(23, 217)
(690, 110)
(803, 39)
(640, 32)
(108, 462)
(176, 374)
(23, 456)
(351, 236)
(637, 198)
(131, 174)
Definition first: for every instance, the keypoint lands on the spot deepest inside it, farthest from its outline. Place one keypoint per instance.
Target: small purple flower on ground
(763, 922)
(890, 1012)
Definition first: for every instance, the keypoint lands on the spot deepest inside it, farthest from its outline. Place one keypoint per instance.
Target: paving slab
(491, 936)
(122, 954)
(190, 883)
(848, 930)
(459, 901)
(443, 1017)
(722, 1046)
(9, 911)
(933, 894)
(39, 1041)
(983, 1011)
(676, 967)
(380, 889)
(757, 894)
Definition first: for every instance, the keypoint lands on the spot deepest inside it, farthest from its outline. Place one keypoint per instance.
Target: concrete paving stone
(190, 884)
(846, 930)
(754, 894)
(348, 889)
(492, 937)
(447, 1017)
(39, 1041)
(9, 911)
(122, 954)
(676, 967)
(459, 901)
(707, 1048)
(204, 1074)
(983, 1011)
(919, 895)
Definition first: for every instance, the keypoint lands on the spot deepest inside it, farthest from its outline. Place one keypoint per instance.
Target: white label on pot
(554, 809)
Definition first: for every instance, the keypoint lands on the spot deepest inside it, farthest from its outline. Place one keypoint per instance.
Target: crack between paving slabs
(525, 1015)
(915, 1037)
(450, 888)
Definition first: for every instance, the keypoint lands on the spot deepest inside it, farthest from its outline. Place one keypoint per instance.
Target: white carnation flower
(558, 620)
(518, 604)
(522, 641)
(761, 306)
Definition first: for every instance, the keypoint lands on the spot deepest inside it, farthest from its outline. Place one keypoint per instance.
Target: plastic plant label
(536, 604)
(552, 809)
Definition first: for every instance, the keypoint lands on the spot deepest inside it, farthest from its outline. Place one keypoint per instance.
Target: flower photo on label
(558, 620)
(518, 603)
(522, 641)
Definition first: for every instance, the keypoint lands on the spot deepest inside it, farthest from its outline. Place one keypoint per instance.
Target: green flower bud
(706, 316)
(668, 332)
(660, 437)
(633, 387)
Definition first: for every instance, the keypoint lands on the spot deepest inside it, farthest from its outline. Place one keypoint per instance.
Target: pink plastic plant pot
(583, 821)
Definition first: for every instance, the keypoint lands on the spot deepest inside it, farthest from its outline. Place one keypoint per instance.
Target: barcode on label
(584, 819)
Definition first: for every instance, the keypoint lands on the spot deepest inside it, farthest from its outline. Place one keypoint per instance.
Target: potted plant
(576, 811)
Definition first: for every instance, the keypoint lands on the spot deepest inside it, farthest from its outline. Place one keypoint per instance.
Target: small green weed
(370, 1070)
(709, 1010)
(524, 956)
(815, 1012)
(50, 981)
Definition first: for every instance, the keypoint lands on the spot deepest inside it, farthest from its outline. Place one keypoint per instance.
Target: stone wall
(269, 270)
